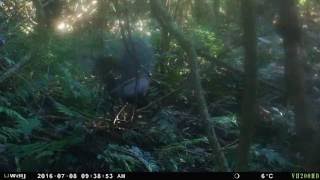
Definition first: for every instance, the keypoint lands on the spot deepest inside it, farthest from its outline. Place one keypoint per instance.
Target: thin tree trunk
(216, 7)
(216, 11)
(167, 24)
(249, 104)
(99, 26)
(42, 29)
(164, 47)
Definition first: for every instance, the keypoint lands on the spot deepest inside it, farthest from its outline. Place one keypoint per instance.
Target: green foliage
(164, 127)
(207, 41)
(43, 149)
(266, 158)
(41, 154)
(27, 126)
(22, 126)
(12, 114)
(226, 122)
(9, 134)
(179, 155)
(67, 111)
(55, 115)
(128, 159)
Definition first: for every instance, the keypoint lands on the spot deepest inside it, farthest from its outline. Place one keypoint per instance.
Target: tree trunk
(99, 26)
(216, 8)
(216, 11)
(167, 24)
(249, 104)
(289, 28)
(231, 10)
(203, 12)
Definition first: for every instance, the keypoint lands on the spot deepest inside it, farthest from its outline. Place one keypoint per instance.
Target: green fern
(43, 149)
(26, 127)
(12, 114)
(67, 111)
(9, 134)
(180, 146)
(175, 156)
(124, 158)
(22, 125)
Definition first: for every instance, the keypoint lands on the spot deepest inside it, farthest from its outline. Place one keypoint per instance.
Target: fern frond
(67, 111)
(124, 158)
(9, 134)
(22, 125)
(43, 149)
(12, 114)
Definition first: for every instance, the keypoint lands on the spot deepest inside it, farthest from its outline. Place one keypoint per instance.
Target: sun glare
(64, 27)
(82, 11)
(61, 26)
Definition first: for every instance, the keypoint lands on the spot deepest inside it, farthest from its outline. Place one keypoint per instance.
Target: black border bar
(161, 175)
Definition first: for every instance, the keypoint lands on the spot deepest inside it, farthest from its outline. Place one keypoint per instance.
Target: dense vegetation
(234, 85)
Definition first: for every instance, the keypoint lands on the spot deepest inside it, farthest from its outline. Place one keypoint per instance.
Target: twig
(229, 145)
(116, 119)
